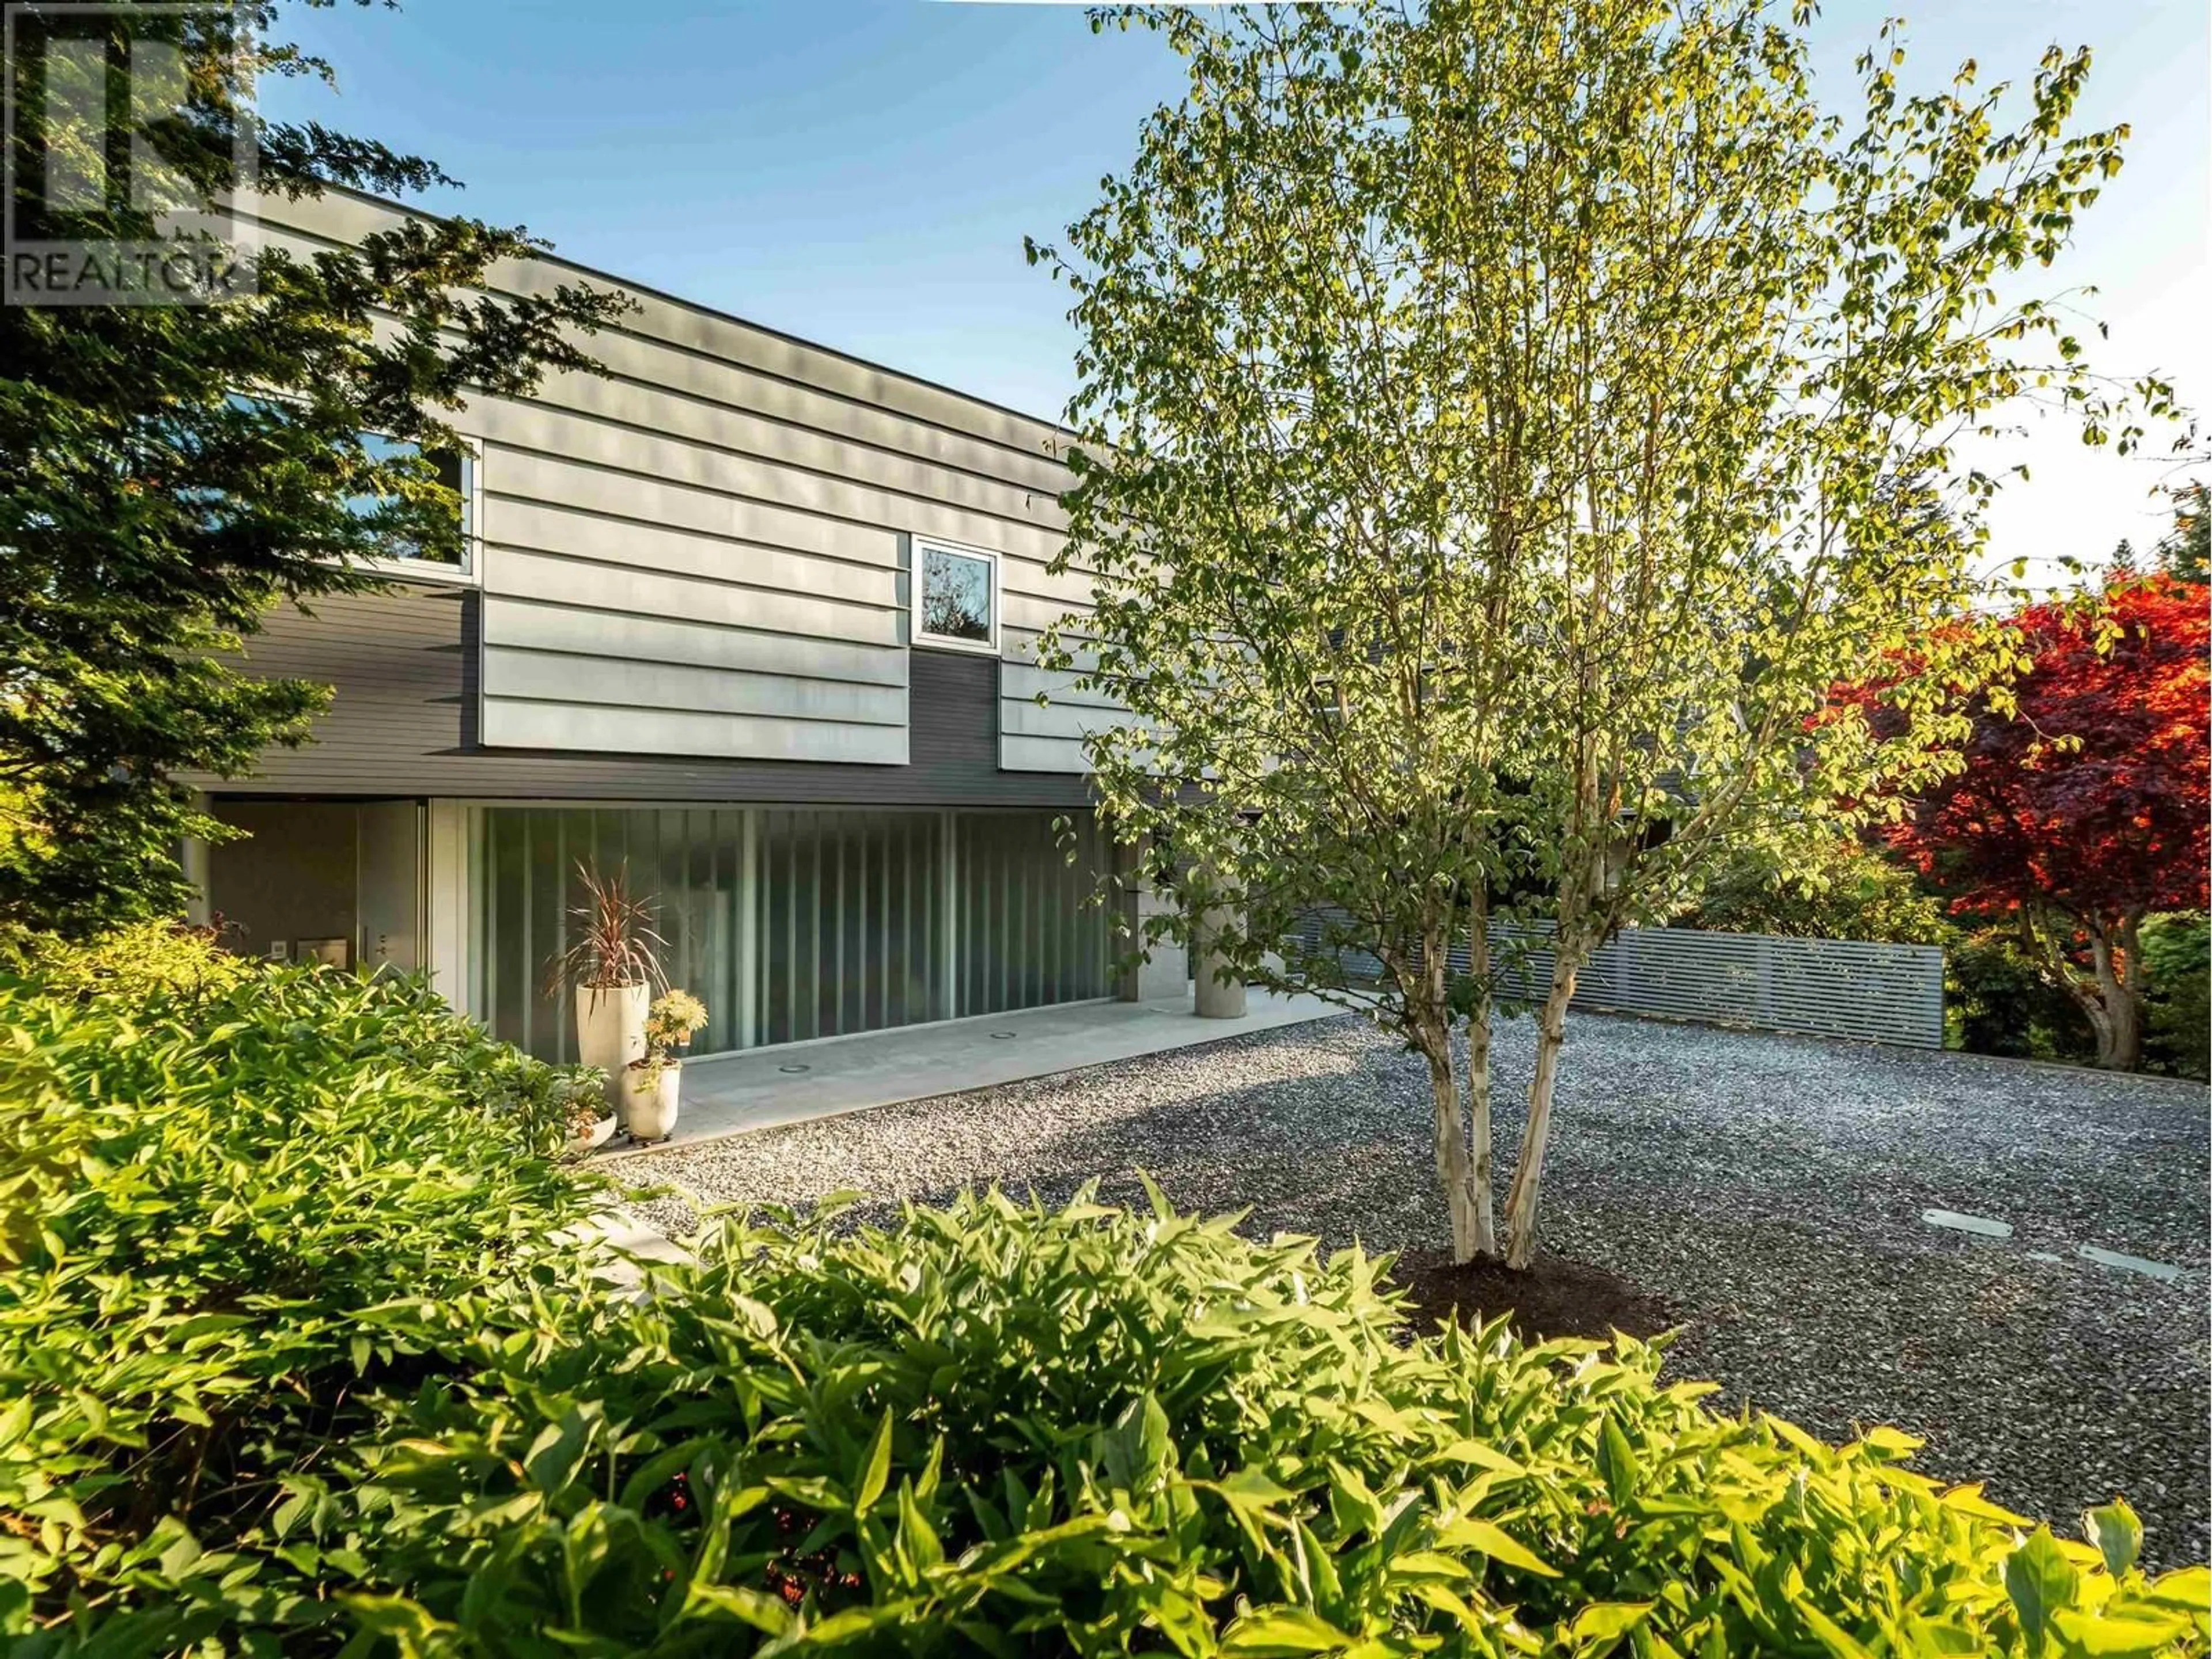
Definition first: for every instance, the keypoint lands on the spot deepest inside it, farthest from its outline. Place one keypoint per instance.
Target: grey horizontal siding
(764, 363)
(527, 624)
(605, 411)
(721, 477)
(1024, 682)
(404, 665)
(631, 500)
(592, 722)
(1047, 737)
(553, 676)
(557, 579)
(850, 570)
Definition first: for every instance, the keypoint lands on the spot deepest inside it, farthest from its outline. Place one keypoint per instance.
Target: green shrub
(1999, 999)
(207, 1182)
(1858, 894)
(135, 960)
(998, 1429)
(2177, 960)
(293, 1358)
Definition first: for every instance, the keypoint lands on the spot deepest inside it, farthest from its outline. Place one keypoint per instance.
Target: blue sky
(861, 173)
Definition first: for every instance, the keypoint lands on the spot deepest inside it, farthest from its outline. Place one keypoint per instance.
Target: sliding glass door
(528, 882)
(1027, 938)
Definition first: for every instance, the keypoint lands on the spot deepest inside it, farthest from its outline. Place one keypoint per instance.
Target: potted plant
(613, 966)
(585, 1103)
(652, 1081)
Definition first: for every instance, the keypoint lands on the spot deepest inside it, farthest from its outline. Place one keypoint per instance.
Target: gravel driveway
(1771, 1187)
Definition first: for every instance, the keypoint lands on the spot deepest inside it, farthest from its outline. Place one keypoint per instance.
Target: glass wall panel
(691, 861)
(794, 924)
(1026, 936)
(850, 934)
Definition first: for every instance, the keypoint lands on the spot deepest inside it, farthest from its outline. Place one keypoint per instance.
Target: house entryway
(340, 882)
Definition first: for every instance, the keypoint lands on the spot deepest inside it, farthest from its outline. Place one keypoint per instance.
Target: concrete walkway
(792, 1083)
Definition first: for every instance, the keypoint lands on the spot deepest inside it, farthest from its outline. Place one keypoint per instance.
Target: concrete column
(1220, 991)
(1165, 970)
(192, 855)
(192, 859)
(447, 840)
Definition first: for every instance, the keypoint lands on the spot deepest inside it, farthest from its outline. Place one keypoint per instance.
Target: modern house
(749, 617)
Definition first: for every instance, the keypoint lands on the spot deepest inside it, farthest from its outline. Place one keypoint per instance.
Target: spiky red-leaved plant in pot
(612, 964)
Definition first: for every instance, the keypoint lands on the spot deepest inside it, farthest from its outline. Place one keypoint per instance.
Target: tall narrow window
(958, 597)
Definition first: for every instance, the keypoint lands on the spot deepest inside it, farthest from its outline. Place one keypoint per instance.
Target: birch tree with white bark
(1502, 425)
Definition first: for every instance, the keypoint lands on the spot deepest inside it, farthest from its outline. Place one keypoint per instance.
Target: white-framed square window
(956, 595)
(459, 471)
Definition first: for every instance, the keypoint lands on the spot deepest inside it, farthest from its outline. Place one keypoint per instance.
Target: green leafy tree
(1276, 491)
(1853, 893)
(2185, 550)
(1501, 426)
(167, 473)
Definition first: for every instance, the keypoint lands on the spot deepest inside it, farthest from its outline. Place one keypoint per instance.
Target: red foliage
(2113, 828)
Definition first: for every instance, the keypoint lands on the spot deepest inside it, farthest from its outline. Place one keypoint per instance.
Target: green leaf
(1472, 1532)
(758, 1315)
(2116, 1532)
(2119, 1636)
(1281, 1632)
(1250, 1489)
(759, 1609)
(1892, 1445)
(1617, 1461)
(1602, 1623)
(2187, 1588)
(1482, 1454)
(1831, 1635)
(551, 1461)
(876, 1472)
(2039, 1580)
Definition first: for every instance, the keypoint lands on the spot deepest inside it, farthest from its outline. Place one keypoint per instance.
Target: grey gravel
(1771, 1189)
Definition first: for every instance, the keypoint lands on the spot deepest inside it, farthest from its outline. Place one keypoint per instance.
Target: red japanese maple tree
(2085, 811)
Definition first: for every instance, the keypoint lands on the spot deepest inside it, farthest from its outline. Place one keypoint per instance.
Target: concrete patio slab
(736, 1093)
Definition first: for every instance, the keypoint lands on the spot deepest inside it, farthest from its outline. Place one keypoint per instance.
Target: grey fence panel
(1813, 986)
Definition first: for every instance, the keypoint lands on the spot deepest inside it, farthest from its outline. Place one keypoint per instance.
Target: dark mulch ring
(1553, 1298)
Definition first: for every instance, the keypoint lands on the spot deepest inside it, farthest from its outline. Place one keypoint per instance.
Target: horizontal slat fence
(1811, 987)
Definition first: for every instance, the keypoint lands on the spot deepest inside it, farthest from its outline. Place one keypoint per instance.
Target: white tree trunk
(1478, 1090)
(1528, 1174)
(1455, 1169)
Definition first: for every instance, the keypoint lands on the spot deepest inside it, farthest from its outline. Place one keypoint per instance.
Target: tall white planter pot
(610, 1031)
(649, 1108)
